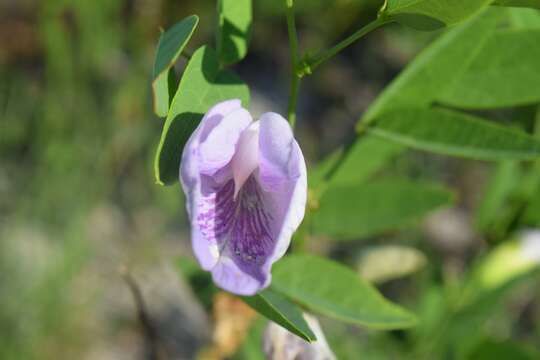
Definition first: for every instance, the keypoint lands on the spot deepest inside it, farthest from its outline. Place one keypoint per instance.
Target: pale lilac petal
(206, 250)
(246, 158)
(189, 169)
(219, 146)
(215, 115)
(283, 174)
(228, 276)
(246, 190)
(275, 147)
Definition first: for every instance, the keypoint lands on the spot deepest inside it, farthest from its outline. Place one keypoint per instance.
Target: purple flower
(246, 188)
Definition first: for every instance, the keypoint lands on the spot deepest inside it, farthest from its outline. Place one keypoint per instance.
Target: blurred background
(84, 230)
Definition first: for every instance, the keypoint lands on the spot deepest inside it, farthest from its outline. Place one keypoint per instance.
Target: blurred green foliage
(77, 141)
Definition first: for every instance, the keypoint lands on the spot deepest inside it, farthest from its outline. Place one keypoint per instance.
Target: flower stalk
(295, 78)
(311, 63)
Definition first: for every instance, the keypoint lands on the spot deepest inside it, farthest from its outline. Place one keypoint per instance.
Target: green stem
(311, 64)
(295, 78)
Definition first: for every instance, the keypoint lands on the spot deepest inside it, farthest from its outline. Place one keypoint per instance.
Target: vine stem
(310, 64)
(295, 78)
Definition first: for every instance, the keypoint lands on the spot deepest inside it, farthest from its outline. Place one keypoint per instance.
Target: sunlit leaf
(454, 133)
(503, 264)
(336, 291)
(170, 46)
(519, 3)
(505, 72)
(419, 85)
(277, 308)
(202, 86)
(521, 18)
(431, 14)
(234, 30)
(352, 212)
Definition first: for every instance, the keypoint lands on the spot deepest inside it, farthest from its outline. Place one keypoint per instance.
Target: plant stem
(311, 64)
(295, 78)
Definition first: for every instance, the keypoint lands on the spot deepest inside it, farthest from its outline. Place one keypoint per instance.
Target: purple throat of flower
(246, 185)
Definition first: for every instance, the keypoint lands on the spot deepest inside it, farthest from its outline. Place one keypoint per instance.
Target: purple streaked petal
(242, 230)
(205, 250)
(238, 233)
(266, 216)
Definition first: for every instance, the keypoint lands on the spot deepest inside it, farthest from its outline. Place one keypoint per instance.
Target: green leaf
(504, 73)
(501, 266)
(202, 86)
(356, 163)
(521, 18)
(490, 349)
(418, 84)
(170, 46)
(519, 3)
(494, 279)
(351, 212)
(498, 190)
(431, 14)
(531, 215)
(234, 30)
(336, 291)
(277, 308)
(453, 133)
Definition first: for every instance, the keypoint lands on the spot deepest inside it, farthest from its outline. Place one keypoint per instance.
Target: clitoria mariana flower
(246, 188)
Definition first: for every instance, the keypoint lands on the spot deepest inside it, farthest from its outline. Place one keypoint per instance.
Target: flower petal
(228, 276)
(238, 236)
(246, 158)
(268, 209)
(283, 174)
(275, 146)
(219, 146)
(242, 228)
(206, 250)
